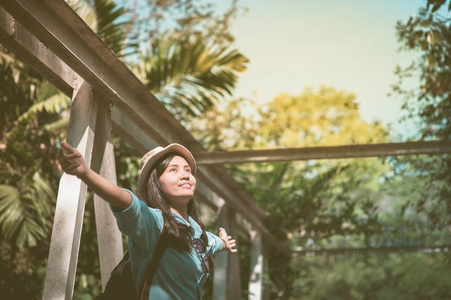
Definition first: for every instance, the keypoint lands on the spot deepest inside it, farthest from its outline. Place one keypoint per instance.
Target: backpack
(120, 286)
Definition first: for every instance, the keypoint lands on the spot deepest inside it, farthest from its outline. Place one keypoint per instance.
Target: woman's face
(178, 182)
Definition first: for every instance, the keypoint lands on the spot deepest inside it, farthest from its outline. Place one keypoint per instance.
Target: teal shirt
(179, 274)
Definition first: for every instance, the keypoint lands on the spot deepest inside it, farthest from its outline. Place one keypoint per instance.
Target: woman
(166, 184)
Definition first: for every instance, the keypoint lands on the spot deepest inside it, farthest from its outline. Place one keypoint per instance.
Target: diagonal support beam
(70, 205)
(103, 162)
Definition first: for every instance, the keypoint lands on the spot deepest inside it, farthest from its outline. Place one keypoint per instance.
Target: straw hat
(149, 159)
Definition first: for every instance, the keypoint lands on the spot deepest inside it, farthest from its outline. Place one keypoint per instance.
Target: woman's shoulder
(139, 207)
(141, 202)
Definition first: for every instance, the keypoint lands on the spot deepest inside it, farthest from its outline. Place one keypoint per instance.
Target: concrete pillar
(266, 287)
(221, 261)
(70, 206)
(227, 280)
(256, 278)
(108, 235)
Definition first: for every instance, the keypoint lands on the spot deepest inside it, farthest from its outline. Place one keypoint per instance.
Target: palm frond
(49, 100)
(190, 76)
(103, 17)
(57, 125)
(25, 213)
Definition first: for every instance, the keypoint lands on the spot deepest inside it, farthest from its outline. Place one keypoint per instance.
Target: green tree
(28, 172)
(429, 101)
(178, 19)
(360, 203)
(233, 125)
(326, 117)
(373, 276)
(308, 204)
(428, 33)
(35, 120)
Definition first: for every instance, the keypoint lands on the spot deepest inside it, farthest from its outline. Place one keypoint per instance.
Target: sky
(350, 45)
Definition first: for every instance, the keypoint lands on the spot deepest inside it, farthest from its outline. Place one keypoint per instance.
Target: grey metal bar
(422, 248)
(331, 152)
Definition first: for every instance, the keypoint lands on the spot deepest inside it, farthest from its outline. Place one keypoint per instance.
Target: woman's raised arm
(72, 163)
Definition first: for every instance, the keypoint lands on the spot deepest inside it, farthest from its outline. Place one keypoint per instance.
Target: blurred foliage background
(183, 52)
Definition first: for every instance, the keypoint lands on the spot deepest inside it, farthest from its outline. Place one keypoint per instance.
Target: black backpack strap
(153, 265)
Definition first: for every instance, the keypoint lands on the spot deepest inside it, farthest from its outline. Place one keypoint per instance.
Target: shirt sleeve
(214, 243)
(140, 223)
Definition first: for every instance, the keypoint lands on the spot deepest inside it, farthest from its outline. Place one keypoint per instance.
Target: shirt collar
(190, 223)
(180, 219)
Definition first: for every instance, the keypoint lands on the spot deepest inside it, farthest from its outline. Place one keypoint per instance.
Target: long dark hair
(178, 233)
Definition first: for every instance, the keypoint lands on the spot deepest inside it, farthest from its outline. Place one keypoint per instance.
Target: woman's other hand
(228, 243)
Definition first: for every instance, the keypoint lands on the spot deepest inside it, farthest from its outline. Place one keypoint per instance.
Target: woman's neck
(182, 211)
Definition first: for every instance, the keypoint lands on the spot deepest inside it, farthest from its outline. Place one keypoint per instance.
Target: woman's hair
(178, 233)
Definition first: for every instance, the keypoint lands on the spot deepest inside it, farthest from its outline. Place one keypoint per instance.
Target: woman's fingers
(69, 158)
(64, 150)
(229, 242)
(67, 147)
(68, 164)
(232, 245)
